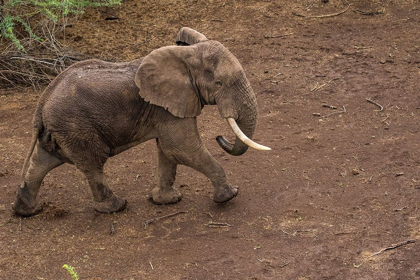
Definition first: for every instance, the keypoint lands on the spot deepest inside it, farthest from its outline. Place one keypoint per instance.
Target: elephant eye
(219, 83)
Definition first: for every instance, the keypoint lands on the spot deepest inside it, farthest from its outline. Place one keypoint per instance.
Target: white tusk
(238, 132)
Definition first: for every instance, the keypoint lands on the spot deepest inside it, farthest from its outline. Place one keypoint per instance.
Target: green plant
(70, 269)
(19, 17)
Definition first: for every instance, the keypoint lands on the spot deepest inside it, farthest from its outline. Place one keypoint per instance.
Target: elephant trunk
(242, 141)
(243, 126)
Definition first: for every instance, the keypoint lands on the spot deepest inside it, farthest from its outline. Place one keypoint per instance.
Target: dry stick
(381, 108)
(211, 224)
(338, 112)
(146, 223)
(310, 5)
(277, 36)
(393, 247)
(112, 230)
(41, 61)
(370, 13)
(285, 232)
(1, 10)
(318, 87)
(284, 264)
(326, 16)
(329, 106)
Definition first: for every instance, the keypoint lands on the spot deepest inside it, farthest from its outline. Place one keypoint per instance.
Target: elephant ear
(164, 80)
(187, 36)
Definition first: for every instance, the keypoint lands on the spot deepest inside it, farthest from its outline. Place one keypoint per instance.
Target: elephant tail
(36, 127)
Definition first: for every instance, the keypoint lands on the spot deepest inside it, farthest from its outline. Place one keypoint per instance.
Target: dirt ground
(338, 197)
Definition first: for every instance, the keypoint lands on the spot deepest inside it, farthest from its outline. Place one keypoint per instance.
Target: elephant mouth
(228, 147)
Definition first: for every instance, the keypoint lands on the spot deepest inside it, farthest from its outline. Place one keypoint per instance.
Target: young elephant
(96, 109)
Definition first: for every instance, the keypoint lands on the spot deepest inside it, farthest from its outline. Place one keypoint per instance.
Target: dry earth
(341, 185)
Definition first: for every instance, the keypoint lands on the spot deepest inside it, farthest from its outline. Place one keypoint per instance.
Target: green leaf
(22, 12)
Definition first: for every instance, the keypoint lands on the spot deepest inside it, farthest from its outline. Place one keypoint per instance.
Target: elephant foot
(111, 204)
(26, 209)
(165, 197)
(25, 203)
(225, 193)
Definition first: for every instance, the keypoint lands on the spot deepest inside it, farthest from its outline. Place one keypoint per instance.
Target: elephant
(94, 110)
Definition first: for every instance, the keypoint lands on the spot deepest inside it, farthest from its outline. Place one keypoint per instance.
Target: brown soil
(336, 188)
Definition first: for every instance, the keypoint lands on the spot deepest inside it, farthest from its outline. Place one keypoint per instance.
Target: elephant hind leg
(40, 163)
(105, 201)
(89, 157)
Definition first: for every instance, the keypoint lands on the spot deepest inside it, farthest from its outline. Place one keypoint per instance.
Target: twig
(329, 106)
(214, 225)
(285, 263)
(310, 5)
(146, 223)
(338, 112)
(270, 161)
(381, 108)
(112, 230)
(16, 68)
(41, 61)
(1, 10)
(151, 265)
(147, 36)
(318, 87)
(401, 209)
(277, 36)
(211, 216)
(302, 231)
(362, 48)
(394, 247)
(325, 16)
(285, 232)
(262, 260)
(369, 13)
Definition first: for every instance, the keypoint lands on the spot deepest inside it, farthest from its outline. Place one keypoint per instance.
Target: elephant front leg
(206, 164)
(203, 162)
(165, 193)
(180, 142)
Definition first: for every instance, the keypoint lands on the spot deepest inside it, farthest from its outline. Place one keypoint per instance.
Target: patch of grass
(18, 18)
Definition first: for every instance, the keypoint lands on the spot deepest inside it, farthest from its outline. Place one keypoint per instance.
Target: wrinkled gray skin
(96, 109)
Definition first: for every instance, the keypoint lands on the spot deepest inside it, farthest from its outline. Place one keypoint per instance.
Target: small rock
(355, 171)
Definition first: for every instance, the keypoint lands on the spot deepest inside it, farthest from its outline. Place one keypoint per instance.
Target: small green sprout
(73, 273)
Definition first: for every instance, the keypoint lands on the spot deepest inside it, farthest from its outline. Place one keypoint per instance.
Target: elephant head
(184, 78)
